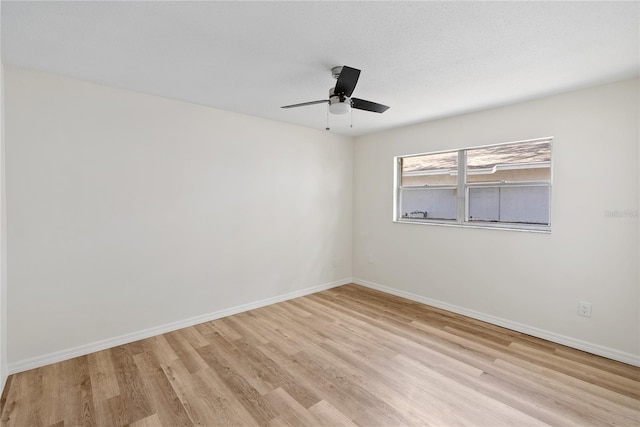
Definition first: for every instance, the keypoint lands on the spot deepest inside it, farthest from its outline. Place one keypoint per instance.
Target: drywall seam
(82, 350)
(629, 358)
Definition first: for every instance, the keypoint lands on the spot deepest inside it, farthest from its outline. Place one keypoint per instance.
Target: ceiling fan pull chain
(351, 118)
(327, 128)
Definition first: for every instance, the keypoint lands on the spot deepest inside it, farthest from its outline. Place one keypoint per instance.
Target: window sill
(487, 226)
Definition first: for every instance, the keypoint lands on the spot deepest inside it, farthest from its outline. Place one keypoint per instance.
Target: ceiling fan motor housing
(335, 72)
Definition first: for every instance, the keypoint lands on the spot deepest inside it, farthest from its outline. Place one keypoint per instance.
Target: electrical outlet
(584, 309)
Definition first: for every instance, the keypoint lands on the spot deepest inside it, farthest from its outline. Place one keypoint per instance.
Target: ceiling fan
(340, 101)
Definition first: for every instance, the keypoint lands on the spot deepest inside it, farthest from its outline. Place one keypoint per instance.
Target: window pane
(484, 204)
(520, 204)
(428, 203)
(528, 161)
(430, 169)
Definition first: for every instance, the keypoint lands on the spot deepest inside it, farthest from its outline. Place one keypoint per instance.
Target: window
(503, 186)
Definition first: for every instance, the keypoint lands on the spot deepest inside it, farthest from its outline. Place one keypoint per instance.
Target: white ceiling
(424, 59)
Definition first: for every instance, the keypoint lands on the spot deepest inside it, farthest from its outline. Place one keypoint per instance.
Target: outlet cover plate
(584, 309)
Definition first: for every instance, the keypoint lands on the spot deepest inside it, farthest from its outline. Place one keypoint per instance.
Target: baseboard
(58, 356)
(599, 350)
(82, 350)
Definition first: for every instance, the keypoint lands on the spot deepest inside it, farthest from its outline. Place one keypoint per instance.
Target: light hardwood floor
(346, 356)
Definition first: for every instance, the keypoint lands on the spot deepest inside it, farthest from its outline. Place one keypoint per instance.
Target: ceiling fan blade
(347, 81)
(361, 104)
(323, 101)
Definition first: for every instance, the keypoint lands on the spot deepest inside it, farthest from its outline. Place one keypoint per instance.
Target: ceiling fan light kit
(340, 101)
(337, 105)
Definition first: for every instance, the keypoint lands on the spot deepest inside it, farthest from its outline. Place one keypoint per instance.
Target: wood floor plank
(330, 416)
(383, 384)
(238, 361)
(185, 351)
(35, 400)
(116, 412)
(79, 406)
(606, 365)
(201, 400)
(133, 398)
(237, 323)
(269, 323)
(278, 376)
(479, 407)
(567, 392)
(223, 400)
(260, 410)
(290, 411)
(355, 388)
(17, 406)
(308, 377)
(403, 389)
(614, 382)
(160, 348)
(53, 412)
(150, 421)
(161, 395)
(104, 383)
(105, 415)
(182, 383)
(342, 357)
(225, 329)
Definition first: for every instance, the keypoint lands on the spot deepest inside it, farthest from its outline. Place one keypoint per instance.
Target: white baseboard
(599, 350)
(82, 350)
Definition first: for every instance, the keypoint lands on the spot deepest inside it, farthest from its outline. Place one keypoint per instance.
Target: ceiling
(426, 60)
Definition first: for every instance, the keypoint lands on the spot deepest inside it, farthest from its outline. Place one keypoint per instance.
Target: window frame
(463, 188)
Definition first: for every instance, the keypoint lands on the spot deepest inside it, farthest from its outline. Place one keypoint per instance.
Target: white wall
(527, 281)
(128, 211)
